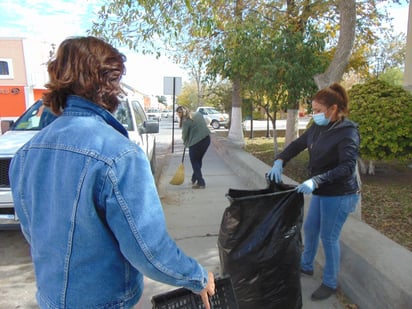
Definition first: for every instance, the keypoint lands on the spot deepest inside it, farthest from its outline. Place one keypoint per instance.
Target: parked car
(166, 113)
(154, 114)
(169, 114)
(213, 117)
(129, 113)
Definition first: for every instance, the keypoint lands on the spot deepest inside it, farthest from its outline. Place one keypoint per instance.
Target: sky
(51, 21)
(45, 22)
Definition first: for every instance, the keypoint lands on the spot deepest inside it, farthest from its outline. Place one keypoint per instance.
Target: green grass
(386, 196)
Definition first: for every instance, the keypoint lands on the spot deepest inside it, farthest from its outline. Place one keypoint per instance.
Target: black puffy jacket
(333, 151)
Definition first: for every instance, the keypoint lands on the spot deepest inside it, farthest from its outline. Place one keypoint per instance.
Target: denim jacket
(89, 208)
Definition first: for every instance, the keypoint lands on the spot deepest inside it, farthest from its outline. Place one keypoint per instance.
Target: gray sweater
(194, 130)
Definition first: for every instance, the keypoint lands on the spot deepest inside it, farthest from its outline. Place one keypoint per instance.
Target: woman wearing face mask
(333, 145)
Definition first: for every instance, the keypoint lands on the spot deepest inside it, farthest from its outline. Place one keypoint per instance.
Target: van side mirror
(6, 125)
(151, 126)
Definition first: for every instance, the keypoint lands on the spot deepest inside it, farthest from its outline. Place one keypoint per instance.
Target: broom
(179, 177)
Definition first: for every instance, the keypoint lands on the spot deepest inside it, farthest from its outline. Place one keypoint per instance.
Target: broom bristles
(179, 177)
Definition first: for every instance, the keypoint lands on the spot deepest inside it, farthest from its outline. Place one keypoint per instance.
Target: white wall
(407, 79)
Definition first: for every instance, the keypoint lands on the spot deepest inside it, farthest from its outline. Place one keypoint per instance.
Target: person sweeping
(196, 137)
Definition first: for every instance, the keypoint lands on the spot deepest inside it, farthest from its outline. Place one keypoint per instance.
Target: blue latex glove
(306, 187)
(275, 173)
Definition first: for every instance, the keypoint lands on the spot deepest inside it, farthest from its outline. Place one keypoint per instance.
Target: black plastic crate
(182, 298)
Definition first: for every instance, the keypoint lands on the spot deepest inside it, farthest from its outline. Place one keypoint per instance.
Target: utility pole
(172, 86)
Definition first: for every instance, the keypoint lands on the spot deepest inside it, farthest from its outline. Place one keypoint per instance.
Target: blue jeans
(325, 219)
(196, 154)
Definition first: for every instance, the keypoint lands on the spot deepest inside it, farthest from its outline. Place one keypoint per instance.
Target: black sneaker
(323, 292)
(306, 272)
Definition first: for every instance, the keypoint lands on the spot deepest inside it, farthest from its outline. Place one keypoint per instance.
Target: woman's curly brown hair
(87, 67)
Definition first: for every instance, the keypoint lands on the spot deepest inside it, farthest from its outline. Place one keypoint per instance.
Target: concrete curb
(375, 271)
(243, 163)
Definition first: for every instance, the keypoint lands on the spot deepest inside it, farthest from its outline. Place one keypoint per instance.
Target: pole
(251, 119)
(173, 114)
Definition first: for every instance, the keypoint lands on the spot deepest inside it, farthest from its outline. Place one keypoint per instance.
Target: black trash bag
(260, 246)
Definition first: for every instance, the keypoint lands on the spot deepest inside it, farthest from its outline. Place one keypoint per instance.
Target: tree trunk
(236, 130)
(371, 168)
(275, 143)
(340, 60)
(292, 126)
(275, 135)
(362, 166)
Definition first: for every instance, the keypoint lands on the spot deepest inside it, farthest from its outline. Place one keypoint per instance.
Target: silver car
(154, 114)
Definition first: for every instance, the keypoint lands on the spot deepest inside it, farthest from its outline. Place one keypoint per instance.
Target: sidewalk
(194, 216)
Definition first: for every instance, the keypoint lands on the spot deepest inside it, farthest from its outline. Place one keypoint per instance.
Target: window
(138, 113)
(6, 68)
(122, 114)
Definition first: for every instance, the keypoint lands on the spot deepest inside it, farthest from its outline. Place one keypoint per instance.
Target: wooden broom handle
(183, 156)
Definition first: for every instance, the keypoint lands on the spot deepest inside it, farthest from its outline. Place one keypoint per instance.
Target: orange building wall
(12, 101)
(13, 49)
(12, 89)
(147, 102)
(38, 93)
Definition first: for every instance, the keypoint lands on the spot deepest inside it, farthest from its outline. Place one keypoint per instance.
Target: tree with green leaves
(392, 76)
(384, 115)
(284, 71)
(224, 28)
(388, 58)
(188, 97)
(162, 99)
(217, 96)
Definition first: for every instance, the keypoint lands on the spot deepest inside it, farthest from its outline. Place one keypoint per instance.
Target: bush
(384, 115)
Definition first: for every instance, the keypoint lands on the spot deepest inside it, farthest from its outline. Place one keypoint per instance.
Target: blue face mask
(320, 119)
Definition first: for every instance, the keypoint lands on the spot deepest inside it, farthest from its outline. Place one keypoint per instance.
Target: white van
(129, 113)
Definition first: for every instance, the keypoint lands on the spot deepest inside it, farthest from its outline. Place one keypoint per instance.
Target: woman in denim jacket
(86, 198)
(333, 146)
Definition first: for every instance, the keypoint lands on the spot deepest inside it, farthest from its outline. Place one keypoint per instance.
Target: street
(17, 287)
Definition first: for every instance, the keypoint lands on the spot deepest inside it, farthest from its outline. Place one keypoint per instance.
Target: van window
(123, 115)
(138, 113)
(35, 118)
